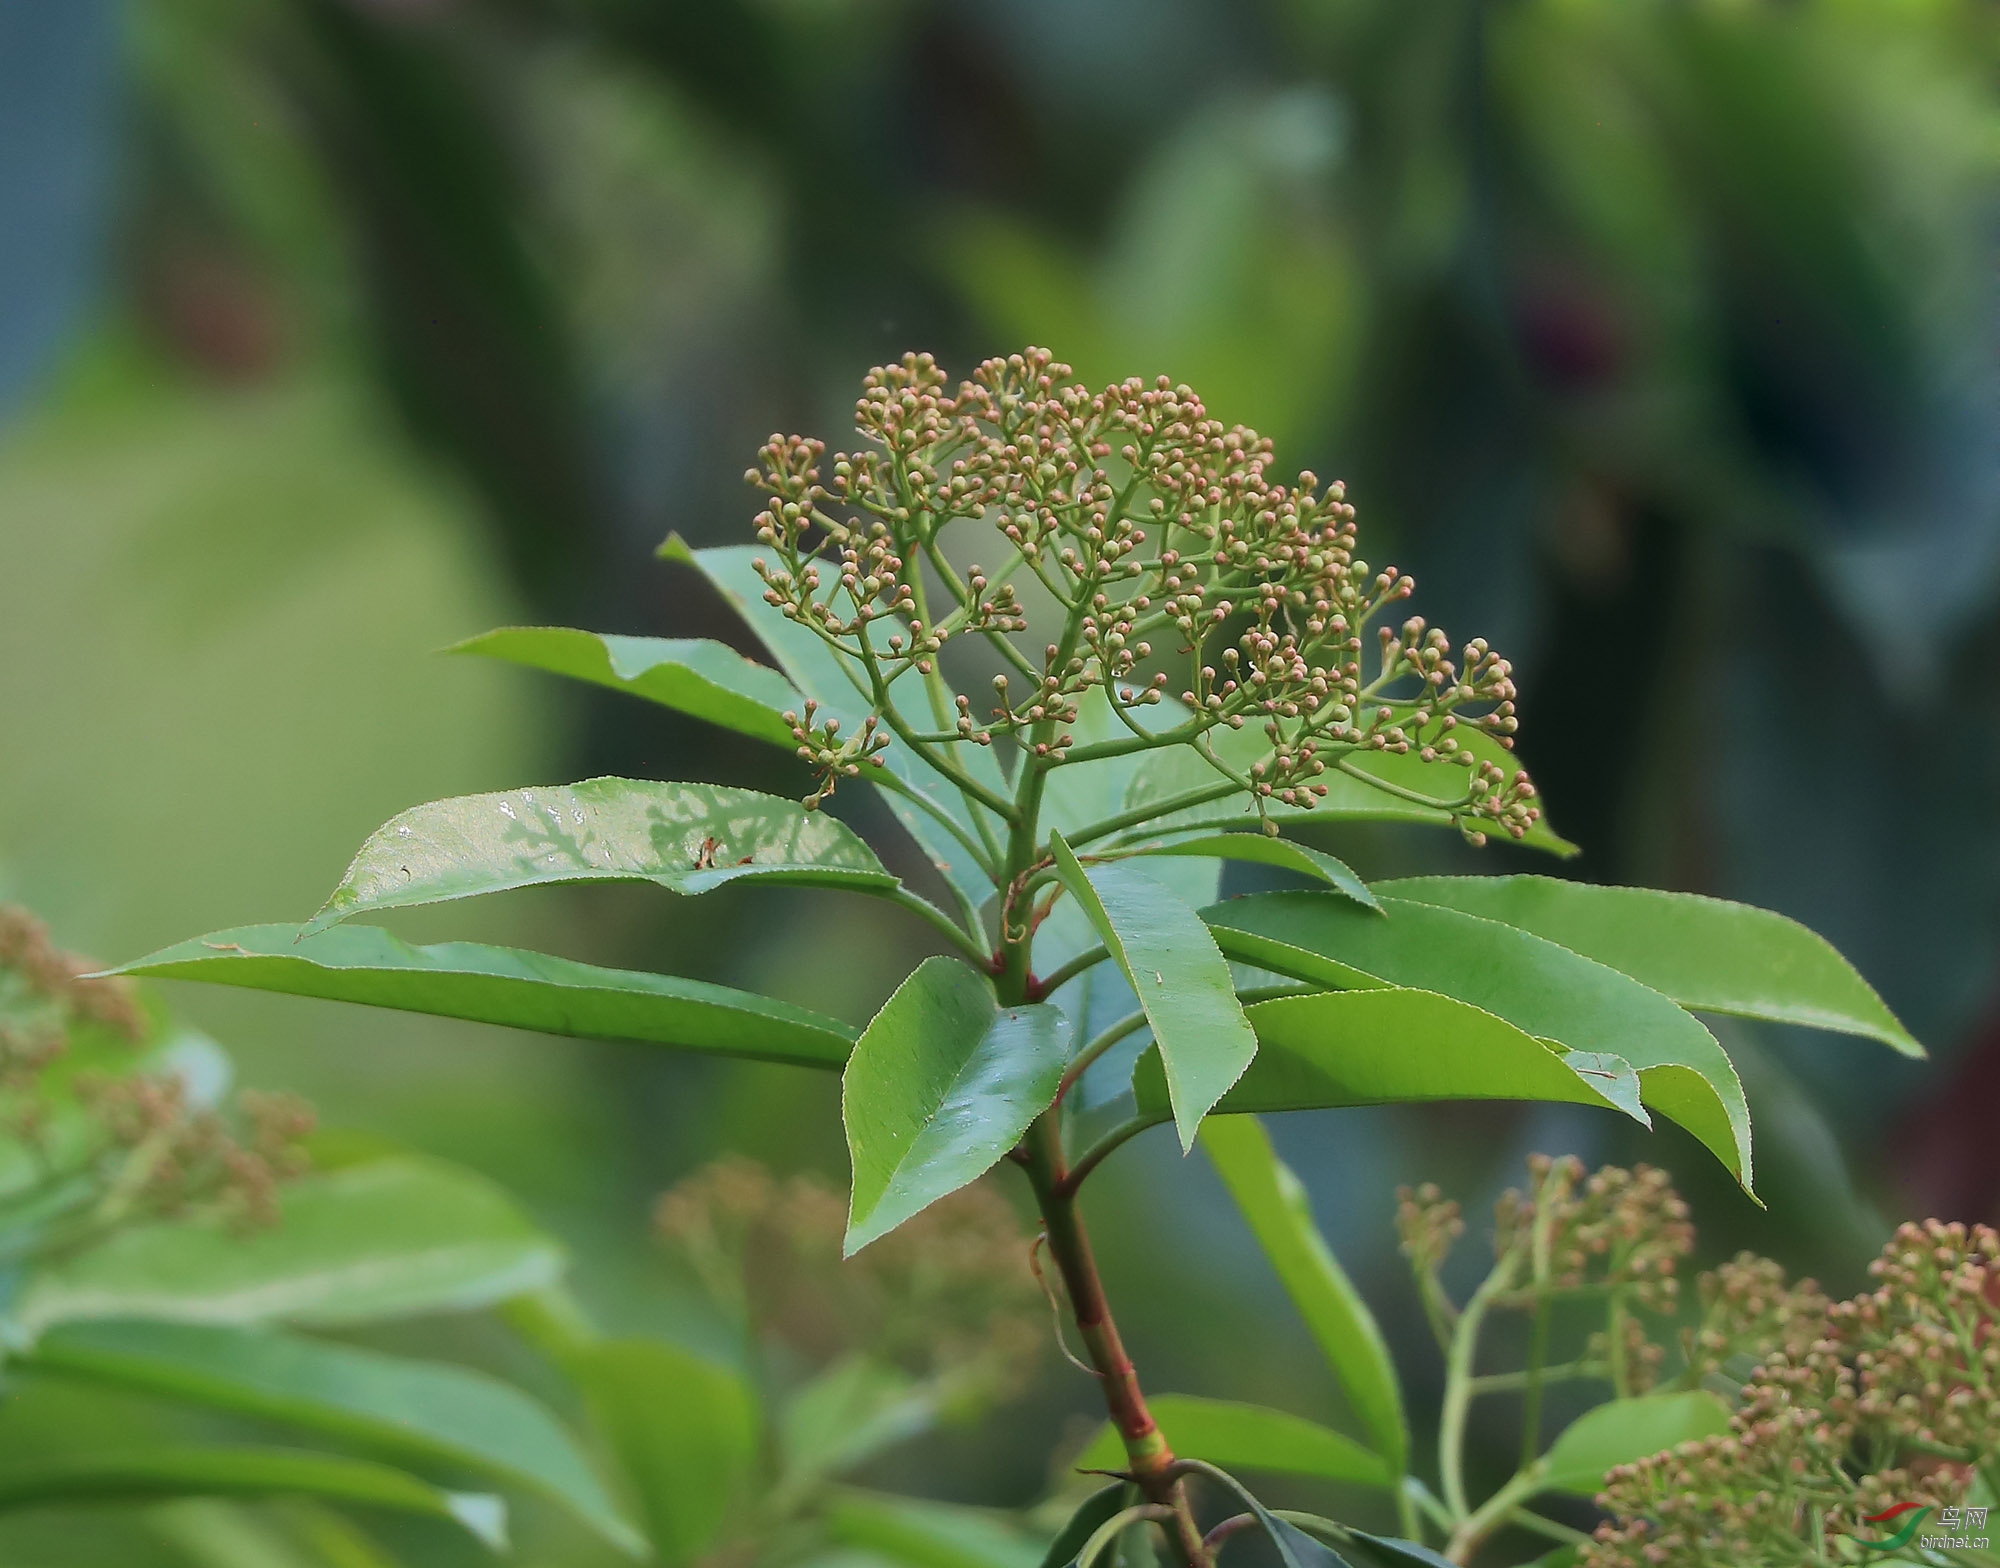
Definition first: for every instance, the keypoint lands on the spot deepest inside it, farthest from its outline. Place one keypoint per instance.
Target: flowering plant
(1081, 641)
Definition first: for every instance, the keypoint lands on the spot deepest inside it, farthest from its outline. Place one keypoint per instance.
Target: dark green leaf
(688, 838)
(1181, 979)
(152, 1474)
(504, 985)
(1623, 1430)
(925, 1534)
(1544, 989)
(1092, 1513)
(1390, 1047)
(690, 675)
(1163, 775)
(817, 671)
(1386, 1551)
(684, 1431)
(1246, 1437)
(387, 1239)
(1559, 1557)
(1294, 1547)
(1262, 849)
(1275, 1205)
(942, 1083)
(1705, 953)
(416, 1411)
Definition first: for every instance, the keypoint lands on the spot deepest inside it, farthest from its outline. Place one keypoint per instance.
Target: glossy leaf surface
(692, 675)
(1261, 849)
(387, 1239)
(688, 838)
(683, 1429)
(153, 1474)
(942, 1083)
(1388, 1046)
(419, 1411)
(1181, 979)
(504, 985)
(1274, 1204)
(1623, 1430)
(1247, 1437)
(818, 673)
(1705, 953)
(1542, 988)
(926, 1534)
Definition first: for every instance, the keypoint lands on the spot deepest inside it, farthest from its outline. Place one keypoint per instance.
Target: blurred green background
(1657, 339)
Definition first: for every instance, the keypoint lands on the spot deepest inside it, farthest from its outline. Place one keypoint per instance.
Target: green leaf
(1094, 1511)
(151, 1474)
(926, 1534)
(1545, 989)
(1294, 1547)
(817, 672)
(692, 675)
(1623, 1430)
(1386, 1551)
(942, 1083)
(1705, 953)
(1181, 979)
(684, 1431)
(504, 985)
(1246, 1437)
(415, 1411)
(387, 1239)
(1275, 1205)
(1163, 775)
(688, 838)
(1395, 1047)
(848, 1414)
(1262, 849)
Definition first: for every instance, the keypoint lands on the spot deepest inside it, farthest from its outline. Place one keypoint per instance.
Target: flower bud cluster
(1616, 1228)
(1429, 1224)
(172, 1156)
(1748, 1309)
(1891, 1400)
(1163, 537)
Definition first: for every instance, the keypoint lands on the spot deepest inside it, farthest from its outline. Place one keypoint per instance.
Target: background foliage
(1655, 339)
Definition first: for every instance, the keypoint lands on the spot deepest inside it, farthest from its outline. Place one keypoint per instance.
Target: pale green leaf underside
(818, 673)
(1542, 988)
(1624, 1430)
(692, 675)
(942, 1083)
(1180, 977)
(1387, 1046)
(503, 985)
(1247, 1437)
(1262, 849)
(1705, 953)
(155, 1474)
(389, 1239)
(1275, 1206)
(684, 1430)
(418, 1411)
(688, 838)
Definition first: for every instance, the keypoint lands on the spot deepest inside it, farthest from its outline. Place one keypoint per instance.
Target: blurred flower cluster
(98, 1129)
(1141, 517)
(1858, 1409)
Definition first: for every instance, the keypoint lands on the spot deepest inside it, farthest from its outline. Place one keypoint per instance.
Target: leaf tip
(674, 548)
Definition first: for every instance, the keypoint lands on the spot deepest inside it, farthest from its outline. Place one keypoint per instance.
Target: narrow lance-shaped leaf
(504, 985)
(1623, 1430)
(1091, 1515)
(1394, 1046)
(1262, 849)
(688, 838)
(387, 1239)
(1182, 981)
(1537, 985)
(1274, 1204)
(817, 672)
(1246, 1437)
(683, 1429)
(942, 1083)
(1705, 953)
(153, 1474)
(692, 675)
(418, 1411)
